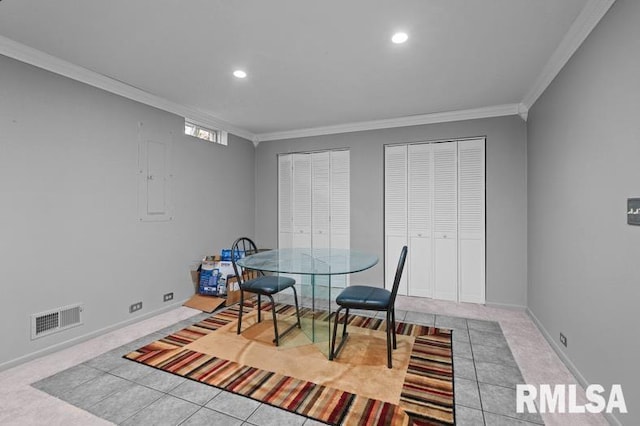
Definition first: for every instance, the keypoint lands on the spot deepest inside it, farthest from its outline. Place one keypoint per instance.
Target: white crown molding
(588, 18)
(48, 62)
(523, 111)
(586, 21)
(412, 120)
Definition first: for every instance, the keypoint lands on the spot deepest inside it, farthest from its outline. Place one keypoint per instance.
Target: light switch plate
(633, 211)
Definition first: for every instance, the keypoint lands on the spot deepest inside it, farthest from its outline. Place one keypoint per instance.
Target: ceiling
(310, 64)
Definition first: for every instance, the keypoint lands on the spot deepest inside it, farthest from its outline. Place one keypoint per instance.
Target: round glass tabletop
(329, 261)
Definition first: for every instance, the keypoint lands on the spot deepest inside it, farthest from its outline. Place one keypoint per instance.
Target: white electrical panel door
(445, 223)
(395, 211)
(285, 195)
(419, 268)
(154, 175)
(471, 221)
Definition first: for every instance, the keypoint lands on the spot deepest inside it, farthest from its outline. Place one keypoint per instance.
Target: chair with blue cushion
(262, 285)
(370, 299)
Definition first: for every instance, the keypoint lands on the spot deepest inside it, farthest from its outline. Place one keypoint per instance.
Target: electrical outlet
(563, 339)
(167, 297)
(135, 307)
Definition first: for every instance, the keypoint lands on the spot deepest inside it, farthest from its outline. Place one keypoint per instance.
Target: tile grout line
(475, 372)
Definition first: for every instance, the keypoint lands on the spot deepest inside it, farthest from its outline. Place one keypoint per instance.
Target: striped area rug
(426, 397)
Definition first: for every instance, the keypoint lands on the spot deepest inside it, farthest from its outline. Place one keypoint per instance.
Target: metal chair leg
(389, 333)
(241, 309)
(259, 309)
(333, 351)
(332, 348)
(393, 322)
(276, 340)
(275, 321)
(295, 298)
(344, 324)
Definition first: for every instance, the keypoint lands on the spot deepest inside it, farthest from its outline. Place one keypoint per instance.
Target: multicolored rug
(422, 393)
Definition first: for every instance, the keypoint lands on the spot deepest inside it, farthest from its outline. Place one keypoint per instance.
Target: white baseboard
(567, 361)
(79, 339)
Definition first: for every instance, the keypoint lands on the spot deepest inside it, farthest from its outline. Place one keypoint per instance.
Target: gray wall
(506, 194)
(583, 157)
(68, 206)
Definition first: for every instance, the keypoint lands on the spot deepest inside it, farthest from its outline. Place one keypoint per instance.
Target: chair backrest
(242, 244)
(396, 280)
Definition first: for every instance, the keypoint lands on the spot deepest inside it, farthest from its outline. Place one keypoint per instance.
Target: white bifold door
(314, 201)
(434, 203)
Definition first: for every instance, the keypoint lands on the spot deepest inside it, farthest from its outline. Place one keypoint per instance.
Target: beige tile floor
(21, 404)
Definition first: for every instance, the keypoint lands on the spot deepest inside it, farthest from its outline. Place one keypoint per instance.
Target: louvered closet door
(340, 212)
(301, 200)
(420, 191)
(285, 213)
(395, 211)
(320, 205)
(471, 220)
(445, 223)
(321, 200)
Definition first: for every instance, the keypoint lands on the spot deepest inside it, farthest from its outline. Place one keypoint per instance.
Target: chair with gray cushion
(370, 299)
(262, 285)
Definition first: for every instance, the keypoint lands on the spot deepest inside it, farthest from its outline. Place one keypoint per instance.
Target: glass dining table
(320, 275)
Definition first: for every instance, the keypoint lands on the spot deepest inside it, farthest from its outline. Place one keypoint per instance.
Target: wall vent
(55, 320)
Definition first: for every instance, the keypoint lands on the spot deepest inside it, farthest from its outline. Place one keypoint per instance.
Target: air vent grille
(52, 321)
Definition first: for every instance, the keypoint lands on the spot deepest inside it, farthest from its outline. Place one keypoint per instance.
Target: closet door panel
(395, 190)
(471, 271)
(419, 215)
(340, 212)
(471, 220)
(301, 210)
(395, 211)
(285, 202)
(446, 269)
(445, 223)
(321, 202)
(420, 189)
(419, 267)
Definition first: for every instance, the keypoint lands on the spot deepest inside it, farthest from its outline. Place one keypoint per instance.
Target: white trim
(588, 18)
(412, 120)
(567, 362)
(48, 62)
(586, 21)
(523, 111)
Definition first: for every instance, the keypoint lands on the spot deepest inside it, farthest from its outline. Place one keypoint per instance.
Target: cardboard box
(233, 291)
(204, 303)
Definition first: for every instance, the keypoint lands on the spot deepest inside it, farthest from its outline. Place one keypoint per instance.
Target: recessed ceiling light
(399, 38)
(240, 74)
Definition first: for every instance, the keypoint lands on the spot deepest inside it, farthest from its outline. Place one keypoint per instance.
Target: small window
(200, 132)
